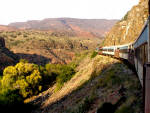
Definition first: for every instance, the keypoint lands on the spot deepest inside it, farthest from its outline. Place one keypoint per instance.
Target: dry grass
(85, 92)
(87, 69)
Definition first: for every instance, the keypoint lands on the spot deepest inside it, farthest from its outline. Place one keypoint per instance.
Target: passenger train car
(119, 51)
(138, 54)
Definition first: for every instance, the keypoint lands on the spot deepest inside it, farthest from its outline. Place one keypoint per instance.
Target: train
(136, 53)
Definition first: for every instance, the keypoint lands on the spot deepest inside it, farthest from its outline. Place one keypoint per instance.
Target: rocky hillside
(112, 88)
(128, 29)
(42, 47)
(6, 57)
(77, 27)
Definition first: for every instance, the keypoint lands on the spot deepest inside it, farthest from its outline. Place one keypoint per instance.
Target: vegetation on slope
(45, 47)
(18, 82)
(25, 80)
(105, 79)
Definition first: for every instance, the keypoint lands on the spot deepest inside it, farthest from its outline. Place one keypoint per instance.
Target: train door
(116, 52)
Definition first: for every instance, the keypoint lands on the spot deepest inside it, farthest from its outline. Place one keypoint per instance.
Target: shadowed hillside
(6, 56)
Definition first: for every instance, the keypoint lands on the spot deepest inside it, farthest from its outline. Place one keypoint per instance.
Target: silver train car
(140, 47)
(136, 52)
(119, 51)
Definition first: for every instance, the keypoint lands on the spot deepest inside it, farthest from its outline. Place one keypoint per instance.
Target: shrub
(65, 73)
(124, 109)
(94, 54)
(125, 17)
(10, 98)
(58, 73)
(23, 60)
(13, 35)
(49, 74)
(25, 35)
(19, 33)
(24, 77)
(110, 79)
(15, 43)
(10, 101)
(84, 106)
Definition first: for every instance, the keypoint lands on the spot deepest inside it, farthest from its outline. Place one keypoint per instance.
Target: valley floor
(100, 84)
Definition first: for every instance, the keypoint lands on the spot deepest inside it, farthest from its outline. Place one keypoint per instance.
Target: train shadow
(130, 66)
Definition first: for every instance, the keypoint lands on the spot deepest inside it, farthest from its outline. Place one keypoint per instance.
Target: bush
(24, 77)
(84, 106)
(94, 54)
(10, 101)
(17, 42)
(10, 98)
(124, 109)
(49, 74)
(25, 35)
(125, 17)
(110, 79)
(65, 74)
(58, 73)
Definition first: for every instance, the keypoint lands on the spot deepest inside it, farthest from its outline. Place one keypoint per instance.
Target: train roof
(146, 23)
(132, 43)
(117, 46)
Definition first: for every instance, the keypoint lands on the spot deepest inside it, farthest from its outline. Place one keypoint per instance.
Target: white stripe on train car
(107, 52)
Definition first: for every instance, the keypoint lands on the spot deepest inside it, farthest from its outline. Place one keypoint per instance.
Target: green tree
(24, 77)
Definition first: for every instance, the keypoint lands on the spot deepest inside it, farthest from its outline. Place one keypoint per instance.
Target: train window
(136, 53)
(104, 49)
(123, 50)
(146, 53)
(141, 54)
(110, 50)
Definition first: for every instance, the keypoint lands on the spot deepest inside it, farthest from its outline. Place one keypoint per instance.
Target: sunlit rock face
(129, 27)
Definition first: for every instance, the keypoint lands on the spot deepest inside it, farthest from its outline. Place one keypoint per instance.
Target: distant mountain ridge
(79, 27)
(7, 28)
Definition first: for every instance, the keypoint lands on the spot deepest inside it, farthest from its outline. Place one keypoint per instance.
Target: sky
(24, 10)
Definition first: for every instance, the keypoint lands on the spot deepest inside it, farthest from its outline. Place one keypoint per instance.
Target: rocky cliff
(6, 57)
(130, 26)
